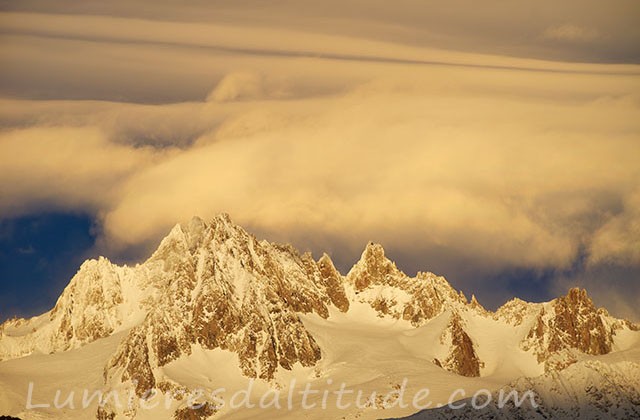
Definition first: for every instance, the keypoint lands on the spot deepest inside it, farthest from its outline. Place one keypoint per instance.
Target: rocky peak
(187, 238)
(431, 295)
(378, 282)
(577, 299)
(224, 228)
(578, 324)
(89, 307)
(326, 263)
(372, 268)
(229, 291)
(570, 323)
(97, 302)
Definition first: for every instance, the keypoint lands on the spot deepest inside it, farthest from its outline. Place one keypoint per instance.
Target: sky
(495, 143)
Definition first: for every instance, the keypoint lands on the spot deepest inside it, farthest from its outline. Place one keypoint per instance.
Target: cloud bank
(463, 163)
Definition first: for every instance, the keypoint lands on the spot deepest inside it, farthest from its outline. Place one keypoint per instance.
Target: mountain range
(215, 308)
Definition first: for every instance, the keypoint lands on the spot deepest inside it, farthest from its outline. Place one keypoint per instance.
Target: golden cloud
(307, 136)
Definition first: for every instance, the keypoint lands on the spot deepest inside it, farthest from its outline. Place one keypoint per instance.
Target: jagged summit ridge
(214, 285)
(228, 291)
(569, 325)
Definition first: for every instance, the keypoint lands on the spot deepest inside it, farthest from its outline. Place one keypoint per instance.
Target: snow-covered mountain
(215, 307)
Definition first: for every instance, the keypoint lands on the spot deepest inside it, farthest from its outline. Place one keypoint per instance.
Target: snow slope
(595, 388)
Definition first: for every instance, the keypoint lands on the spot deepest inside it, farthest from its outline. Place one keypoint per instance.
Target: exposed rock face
(87, 308)
(216, 286)
(571, 322)
(103, 414)
(374, 268)
(92, 306)
(579, 325)
(378, 282)
(132, 360)
(462, 358)
(431, 295)
(232, 292)
(194, 413)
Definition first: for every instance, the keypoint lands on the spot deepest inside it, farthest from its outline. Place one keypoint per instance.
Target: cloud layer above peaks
(459, 152)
